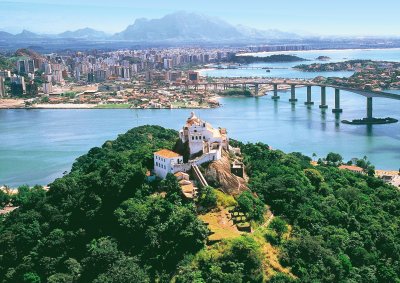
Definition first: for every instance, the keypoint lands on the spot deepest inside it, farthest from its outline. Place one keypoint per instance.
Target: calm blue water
(37, 146)
(285, 70)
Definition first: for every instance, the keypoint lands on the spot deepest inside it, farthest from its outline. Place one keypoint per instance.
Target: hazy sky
(337, 17)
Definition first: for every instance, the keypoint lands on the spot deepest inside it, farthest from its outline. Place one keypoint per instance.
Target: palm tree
(314, 155)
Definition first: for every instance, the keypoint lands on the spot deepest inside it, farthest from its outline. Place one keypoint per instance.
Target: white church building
(202, 137)
(205, 144)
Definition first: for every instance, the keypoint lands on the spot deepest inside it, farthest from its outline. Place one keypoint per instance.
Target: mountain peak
(27, 34)
(179, 26)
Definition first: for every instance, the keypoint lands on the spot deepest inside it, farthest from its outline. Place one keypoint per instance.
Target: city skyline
(342, 19)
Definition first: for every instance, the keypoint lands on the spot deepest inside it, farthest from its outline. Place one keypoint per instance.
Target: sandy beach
(63, 106)
(12, 103)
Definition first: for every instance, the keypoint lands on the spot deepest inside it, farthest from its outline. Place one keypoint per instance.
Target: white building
(2, 87)
(205, 145)
(202, 137)
(47, 88)
(164, 162)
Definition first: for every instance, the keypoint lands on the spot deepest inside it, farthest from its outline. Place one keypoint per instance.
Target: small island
(371, 121)
(248, 59)
(323, 58)
(368, 75)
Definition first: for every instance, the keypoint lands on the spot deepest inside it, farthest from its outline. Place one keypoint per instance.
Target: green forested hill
(104, 222)
(102, 219)
(346, 226)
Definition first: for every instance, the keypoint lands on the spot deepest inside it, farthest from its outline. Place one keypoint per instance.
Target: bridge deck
(305, 83)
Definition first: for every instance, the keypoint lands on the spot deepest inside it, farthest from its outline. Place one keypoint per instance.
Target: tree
(31, 277)
(4, 198)
(314, 155)
(125, 269)
(279, 226)
(334, 158)
(208, 198)
(251, 205)
(314, 176)
(101, 254)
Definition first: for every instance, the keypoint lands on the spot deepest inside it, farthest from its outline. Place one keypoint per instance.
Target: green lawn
(113, 106)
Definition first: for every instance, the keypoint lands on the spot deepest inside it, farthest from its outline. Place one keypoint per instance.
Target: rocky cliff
(219, 174)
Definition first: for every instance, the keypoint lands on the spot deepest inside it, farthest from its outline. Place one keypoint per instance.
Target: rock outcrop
(218, 174)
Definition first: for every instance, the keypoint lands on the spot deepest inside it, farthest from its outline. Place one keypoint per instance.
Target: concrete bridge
(239, 67)
(294, 83)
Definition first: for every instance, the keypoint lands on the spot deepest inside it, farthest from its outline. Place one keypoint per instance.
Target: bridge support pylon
(256, 88)
(369, 107)
(323, 98)
(337, 108)
(293, 94)
(309, 100)
(275, 96)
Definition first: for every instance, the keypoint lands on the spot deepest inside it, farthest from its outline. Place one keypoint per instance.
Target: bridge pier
(369, 107)
(323, 98)
(256, 87)
(275, 96)
(293, 93)
(309, 101)
(337, 108)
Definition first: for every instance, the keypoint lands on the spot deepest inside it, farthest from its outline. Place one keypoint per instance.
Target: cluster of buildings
(280, 47)
(369, 75)
(205, 144)
(127, 64)
(35, 74)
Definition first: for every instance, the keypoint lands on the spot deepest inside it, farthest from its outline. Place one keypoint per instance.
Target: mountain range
(176, 27)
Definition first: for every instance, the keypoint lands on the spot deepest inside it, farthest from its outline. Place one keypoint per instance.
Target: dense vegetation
(103, 219)
(247, 59)
(345, 225)
(106, 222)
(5, 63)
(236, 92)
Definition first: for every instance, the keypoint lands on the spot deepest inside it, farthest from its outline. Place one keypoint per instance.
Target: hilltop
(108, 220)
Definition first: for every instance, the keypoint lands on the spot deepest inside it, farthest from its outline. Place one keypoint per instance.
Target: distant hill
(269, 59)
(180, 26)
(24, 52)
(5, 35)
(25, 34)
(85, 33)
(266, 34)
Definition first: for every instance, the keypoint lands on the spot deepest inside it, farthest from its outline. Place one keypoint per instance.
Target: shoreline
(95, 107)
(317, 50)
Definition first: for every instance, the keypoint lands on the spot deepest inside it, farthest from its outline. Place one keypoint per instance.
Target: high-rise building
(18, 86)
(167, 64)
(22, 66)
(77, 74)
(30, 66)
(5, 74)
(193, 76)
(47, 88)
(47, 68)
(2, 87)
(100, 75)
